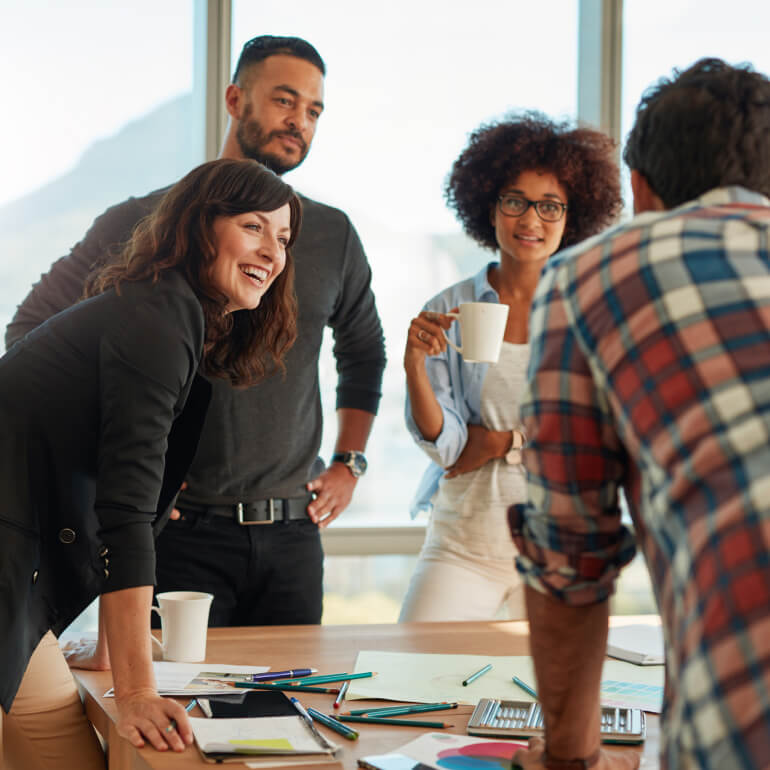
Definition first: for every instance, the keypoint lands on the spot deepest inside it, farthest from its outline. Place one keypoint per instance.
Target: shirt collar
(481, 284)
(719, 196)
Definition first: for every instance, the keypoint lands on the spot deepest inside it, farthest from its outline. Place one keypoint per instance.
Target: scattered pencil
(284, 687)
(341, 695)
(397, 710)
(329, 678)
(524, 686)
(333, 724)
(399, 722)
(474, 677)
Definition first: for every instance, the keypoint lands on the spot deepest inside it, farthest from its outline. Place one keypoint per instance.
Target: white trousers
(46, 728)
(461, 579)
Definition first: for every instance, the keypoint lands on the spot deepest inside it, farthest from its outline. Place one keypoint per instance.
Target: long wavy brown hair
(243, 346)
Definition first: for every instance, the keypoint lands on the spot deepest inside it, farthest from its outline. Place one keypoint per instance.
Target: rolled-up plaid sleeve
(569, 534)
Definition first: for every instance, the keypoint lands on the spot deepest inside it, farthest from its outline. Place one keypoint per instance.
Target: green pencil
(328, 678)
(396, 710)
(399, 722)
(276, 686)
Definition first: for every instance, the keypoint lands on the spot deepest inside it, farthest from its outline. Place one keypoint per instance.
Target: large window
(99, 103)
(660, 35)
(406, 83)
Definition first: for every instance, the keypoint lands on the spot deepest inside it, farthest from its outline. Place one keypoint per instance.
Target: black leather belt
(259, 511)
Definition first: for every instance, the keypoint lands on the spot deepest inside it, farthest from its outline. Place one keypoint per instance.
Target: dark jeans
(260, 575)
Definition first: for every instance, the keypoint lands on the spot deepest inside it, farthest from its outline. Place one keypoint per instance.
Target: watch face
(355, 461)
(357, 464)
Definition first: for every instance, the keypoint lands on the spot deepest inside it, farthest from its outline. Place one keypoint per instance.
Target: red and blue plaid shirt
(650, 371)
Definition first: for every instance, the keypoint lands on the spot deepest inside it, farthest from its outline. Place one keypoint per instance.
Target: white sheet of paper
(173, 678)
(431, 678)
(643, 641)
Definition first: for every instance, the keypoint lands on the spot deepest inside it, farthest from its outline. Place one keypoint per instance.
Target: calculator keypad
(521, 718)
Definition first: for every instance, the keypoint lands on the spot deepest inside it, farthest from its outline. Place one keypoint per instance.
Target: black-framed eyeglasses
(517, 206)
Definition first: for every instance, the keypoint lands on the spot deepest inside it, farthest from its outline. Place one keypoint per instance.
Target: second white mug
(184, 620)
(482, 328)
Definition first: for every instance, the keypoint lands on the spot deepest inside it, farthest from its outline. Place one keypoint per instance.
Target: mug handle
(451, 344)
(153, 608)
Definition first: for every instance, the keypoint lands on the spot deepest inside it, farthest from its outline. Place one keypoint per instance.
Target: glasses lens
(549, 211)
(513, 205)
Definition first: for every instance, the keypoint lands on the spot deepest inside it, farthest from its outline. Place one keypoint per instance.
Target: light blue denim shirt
(457, 386)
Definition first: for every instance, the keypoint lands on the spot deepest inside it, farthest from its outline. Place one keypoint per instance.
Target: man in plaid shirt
(650, 370)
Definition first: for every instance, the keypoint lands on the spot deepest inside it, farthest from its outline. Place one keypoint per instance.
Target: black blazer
(100, 414)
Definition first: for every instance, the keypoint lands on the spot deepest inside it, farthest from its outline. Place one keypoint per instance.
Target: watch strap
(354, 460)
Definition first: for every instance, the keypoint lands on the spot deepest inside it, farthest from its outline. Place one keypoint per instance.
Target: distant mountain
(147, 153)
(35, 230)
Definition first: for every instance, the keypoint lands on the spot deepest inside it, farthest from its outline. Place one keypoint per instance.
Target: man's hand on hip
(334, 490)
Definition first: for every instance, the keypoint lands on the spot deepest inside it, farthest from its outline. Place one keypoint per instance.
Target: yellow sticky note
(282, 744)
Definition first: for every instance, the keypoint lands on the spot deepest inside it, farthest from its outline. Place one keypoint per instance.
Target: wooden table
(329, 649)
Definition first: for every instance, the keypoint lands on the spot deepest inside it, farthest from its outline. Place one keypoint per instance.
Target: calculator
(523, 719)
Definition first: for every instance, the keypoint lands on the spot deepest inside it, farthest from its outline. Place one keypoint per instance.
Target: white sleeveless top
(476, 503)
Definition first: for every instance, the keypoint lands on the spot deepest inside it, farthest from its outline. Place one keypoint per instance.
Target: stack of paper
(276, 738)
(183, 678)
(640, 644)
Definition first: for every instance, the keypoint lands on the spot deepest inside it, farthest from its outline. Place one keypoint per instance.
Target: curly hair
(706, 127)
(241, 346)
(581, 159)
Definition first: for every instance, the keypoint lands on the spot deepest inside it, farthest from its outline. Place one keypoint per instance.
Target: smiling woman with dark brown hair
(524, 187)
(100, 413)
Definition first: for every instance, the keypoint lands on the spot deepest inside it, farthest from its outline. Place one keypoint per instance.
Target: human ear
(645, 199)
(233, 101)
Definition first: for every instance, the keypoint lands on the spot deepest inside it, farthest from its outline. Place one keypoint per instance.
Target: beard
(252, 139)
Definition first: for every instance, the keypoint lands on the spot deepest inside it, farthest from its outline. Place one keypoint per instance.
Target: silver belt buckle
(239, 514)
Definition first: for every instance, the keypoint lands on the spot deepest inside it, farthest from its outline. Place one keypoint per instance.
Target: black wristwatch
(355, 461)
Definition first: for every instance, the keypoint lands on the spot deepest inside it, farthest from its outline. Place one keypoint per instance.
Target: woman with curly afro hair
(524, 187)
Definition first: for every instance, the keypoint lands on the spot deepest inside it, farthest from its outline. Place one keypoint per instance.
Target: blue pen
(309, 722)
(188, 708)
(267, 676)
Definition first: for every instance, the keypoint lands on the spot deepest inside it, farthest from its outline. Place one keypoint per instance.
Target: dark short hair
(259, 48)
(179, 235)
(497, 153)
(705, 127)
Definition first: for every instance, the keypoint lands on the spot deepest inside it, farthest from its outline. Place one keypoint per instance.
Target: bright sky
(407, 79)
(77, 71)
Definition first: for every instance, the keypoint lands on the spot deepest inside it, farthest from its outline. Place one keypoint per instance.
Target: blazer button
(103, 551)
(67, 535)
(34, 576)
(106, 574)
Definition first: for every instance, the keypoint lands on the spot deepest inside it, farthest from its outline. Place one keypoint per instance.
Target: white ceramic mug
(184, 620)
(482, 328)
